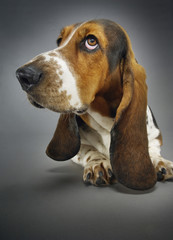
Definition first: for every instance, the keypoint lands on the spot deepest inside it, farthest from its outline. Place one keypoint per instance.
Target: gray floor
(43, 199)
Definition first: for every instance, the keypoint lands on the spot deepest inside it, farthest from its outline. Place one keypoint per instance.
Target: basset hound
(93, 79)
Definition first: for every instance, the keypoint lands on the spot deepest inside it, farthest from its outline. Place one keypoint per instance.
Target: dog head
(68, 78)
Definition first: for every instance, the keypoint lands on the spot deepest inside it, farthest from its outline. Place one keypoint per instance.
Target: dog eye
(91, 42)
(59, 40)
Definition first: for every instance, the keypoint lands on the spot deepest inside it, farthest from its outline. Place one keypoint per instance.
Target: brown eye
(91, 42)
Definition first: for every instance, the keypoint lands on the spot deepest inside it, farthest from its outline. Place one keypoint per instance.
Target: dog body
(95, 82)
(94, 152)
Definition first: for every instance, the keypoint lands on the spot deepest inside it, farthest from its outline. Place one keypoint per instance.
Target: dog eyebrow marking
(70, 36)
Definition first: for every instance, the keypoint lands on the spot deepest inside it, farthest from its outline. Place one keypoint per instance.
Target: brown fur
(66, 140)
(160, 139)
(108, 99)
(129, 144)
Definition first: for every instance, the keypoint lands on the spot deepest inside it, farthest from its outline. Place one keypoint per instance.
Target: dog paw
(99, 173)
(164, 170)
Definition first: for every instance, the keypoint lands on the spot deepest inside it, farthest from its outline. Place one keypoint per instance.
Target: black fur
(117, 43)
(154, 120)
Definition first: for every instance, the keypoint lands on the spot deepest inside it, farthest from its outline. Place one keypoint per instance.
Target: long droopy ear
(65, 143)
(129, 143)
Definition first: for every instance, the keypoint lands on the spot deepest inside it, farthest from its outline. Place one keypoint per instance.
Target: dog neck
(102, 111)
(109, 97)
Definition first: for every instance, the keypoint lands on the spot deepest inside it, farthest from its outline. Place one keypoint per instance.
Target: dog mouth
(80, 111)
(34, 103)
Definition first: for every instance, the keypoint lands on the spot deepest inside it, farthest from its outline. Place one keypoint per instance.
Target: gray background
(43, 199)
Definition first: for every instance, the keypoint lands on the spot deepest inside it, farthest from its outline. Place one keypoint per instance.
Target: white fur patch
(153, 132)
(99, 135)
(105, 122)
(69, 84)
(65, 75)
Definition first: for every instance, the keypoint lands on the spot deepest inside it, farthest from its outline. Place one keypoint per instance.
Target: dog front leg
(97, 167)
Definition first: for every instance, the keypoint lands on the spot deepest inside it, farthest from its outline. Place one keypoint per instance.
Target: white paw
(164, 170)
(98, 173)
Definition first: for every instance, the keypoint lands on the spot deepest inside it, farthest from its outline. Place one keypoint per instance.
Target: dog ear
(65, 143)
(129, 143)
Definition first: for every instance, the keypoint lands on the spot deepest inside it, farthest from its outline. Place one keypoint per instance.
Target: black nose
(28, 76)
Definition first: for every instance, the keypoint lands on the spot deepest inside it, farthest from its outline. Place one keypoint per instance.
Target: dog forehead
(109, 29)
(80, 30)
(110, 35)
(106, 28)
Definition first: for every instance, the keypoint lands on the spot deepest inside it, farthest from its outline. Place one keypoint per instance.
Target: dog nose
(28, 76)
